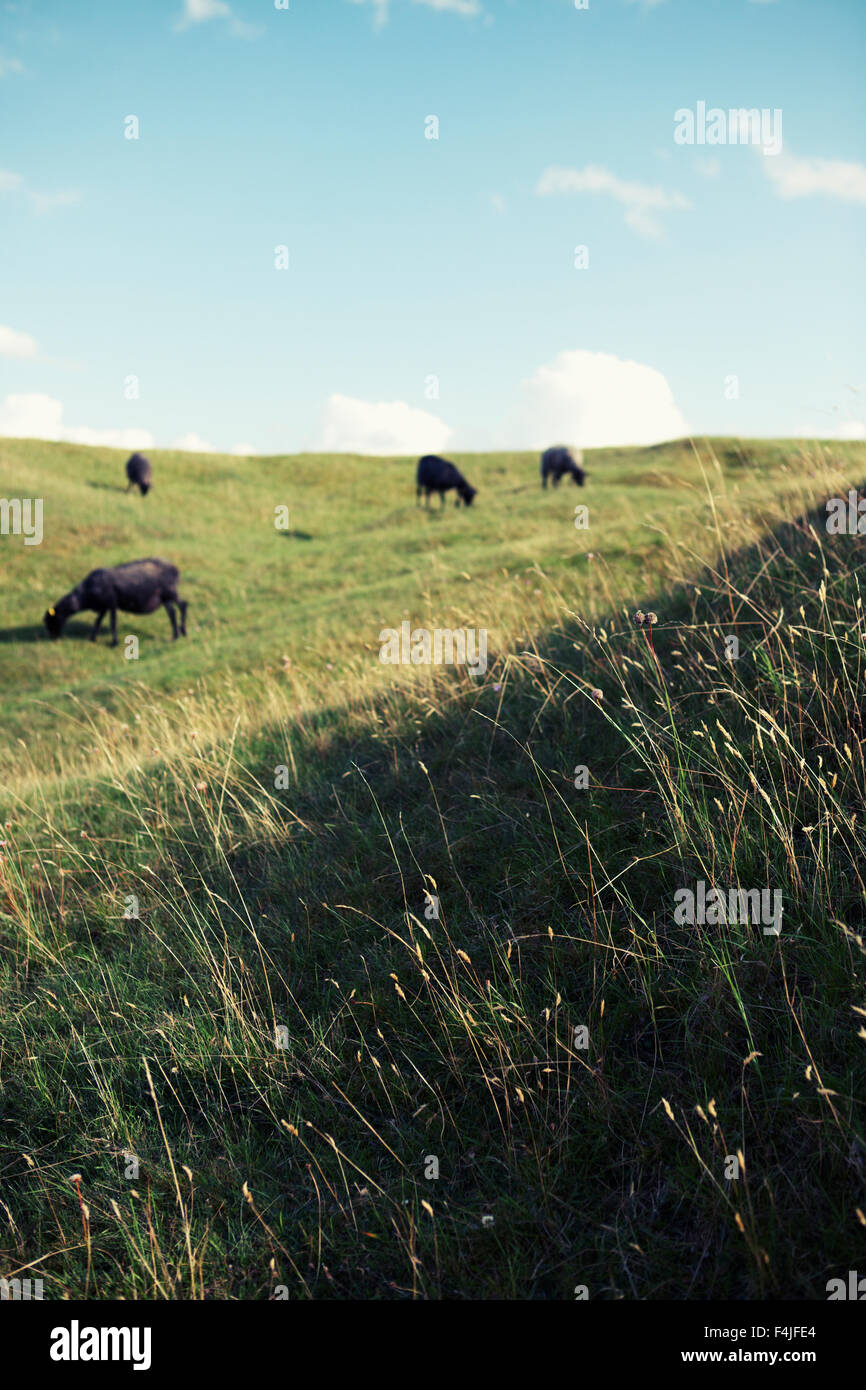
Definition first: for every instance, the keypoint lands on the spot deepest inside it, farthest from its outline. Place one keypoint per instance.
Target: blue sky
(431, 300)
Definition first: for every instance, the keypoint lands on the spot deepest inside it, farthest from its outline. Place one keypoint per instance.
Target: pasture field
(296, 948)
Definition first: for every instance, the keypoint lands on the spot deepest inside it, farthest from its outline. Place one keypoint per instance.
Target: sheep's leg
(169, 608)
(182, 605)
(94, 630)
(114, 625)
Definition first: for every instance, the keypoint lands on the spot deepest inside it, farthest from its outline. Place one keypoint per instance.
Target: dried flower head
(639, 618)
(652, 619)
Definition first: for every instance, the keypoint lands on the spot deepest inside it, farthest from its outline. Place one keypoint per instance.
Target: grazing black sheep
(139, 587)
(559, 461)
(438, 475)
(139, 473)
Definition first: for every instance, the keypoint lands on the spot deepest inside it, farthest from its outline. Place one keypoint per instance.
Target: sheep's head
(467, 493)
(54, 622)
(55, 618)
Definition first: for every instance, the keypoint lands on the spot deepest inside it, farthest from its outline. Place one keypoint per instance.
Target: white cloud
(466, 8)
(31, 416)
(349, 426)
(109, 439)
(197, 11)
(245, 450)
(594, 400)
(193, 443)
(37, 416)
(708, 168)
(8, 65)
(200, 11)
(41, 202)
(803, 178)
(44, 202)
(14, 344)
(845, 429)
(640, 200)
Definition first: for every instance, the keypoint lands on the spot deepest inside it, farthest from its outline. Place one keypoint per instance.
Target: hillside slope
(271, 610)
(335, 1045)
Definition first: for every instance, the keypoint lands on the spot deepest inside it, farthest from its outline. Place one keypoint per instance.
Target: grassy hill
(250, 1083)
(299, 612)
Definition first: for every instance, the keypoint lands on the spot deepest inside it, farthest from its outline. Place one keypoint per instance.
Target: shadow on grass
(478, 806)
(33, 632)
(36, 632)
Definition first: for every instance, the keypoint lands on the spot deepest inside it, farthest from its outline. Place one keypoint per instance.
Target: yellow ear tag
(51, 612)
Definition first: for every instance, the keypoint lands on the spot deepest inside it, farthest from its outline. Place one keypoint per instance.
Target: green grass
(410, 1038)
(360, 556)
